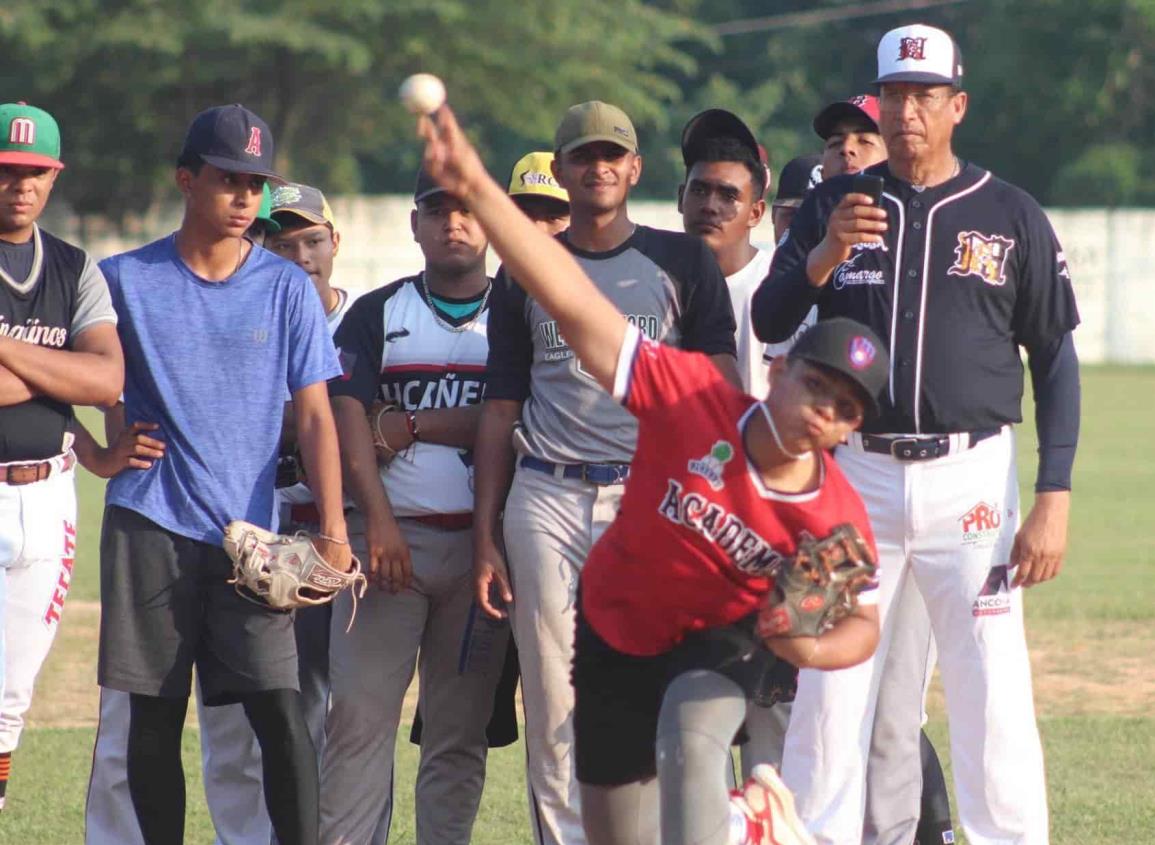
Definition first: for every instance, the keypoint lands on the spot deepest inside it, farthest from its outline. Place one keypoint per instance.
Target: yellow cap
(533, 176)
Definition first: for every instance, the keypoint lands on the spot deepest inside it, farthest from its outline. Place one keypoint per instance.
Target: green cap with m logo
(29, 137)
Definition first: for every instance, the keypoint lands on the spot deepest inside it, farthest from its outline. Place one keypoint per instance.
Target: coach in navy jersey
(958, 269)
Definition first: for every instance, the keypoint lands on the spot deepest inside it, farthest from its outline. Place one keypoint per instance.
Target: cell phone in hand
(864, 183)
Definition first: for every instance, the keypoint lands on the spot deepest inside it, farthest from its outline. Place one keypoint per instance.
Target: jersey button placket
(906, 330)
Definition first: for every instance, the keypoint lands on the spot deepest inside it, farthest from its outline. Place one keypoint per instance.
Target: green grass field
(1092, 633)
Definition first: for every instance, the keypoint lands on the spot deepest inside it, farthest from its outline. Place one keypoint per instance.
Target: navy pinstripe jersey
(968, 272)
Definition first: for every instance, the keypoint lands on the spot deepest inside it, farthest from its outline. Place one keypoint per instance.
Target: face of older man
(917, 121)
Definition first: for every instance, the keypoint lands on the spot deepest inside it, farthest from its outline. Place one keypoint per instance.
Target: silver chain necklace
(445, 324)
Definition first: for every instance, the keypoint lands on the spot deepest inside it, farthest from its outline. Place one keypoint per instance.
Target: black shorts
(166, 606)
(618, 697)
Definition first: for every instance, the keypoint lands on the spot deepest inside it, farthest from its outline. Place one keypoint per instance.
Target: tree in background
(1062, 89)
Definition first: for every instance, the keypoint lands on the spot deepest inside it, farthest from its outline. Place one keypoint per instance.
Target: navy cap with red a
(233, 139)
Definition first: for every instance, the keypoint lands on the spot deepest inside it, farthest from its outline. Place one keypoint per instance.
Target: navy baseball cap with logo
(797, 177)
(861, 110)
(919, 53)
(233, 139)
(851, 349)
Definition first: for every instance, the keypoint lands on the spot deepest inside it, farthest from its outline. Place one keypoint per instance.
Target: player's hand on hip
(1039, 548)
(449, 157)
(390, 566)
(491, 576)
(133, 449)
(855, 220)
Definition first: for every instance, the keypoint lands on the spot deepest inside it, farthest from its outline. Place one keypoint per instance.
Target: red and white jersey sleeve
(699, 533)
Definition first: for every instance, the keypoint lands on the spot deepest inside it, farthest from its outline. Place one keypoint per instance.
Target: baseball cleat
(762, 812)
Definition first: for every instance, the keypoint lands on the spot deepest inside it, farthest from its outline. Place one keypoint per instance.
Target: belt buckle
(924, 448)
(605, 475)
(21, 474)
(910, 449)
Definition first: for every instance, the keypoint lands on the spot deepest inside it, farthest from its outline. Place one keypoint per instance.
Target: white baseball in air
(422, 93)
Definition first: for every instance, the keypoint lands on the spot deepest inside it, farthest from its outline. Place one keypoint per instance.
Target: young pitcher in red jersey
(722, 489)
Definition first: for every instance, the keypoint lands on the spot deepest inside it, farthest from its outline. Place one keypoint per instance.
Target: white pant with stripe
(37, 552)
(949, 523)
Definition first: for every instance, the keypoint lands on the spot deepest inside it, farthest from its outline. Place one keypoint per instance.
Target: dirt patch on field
(1087, 668)
(1079, 668)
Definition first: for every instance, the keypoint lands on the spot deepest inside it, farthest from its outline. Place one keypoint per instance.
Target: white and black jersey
(393, 347)
(50, 292)
(668, 284)
(968, 272)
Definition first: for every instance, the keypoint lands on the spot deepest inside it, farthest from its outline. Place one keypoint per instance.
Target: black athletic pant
(934, 822)
(289, 763)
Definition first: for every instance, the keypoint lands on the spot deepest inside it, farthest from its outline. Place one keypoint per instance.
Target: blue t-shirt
(210, 363)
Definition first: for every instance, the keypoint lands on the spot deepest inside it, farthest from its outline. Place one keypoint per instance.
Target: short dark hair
(191, 162)
(731, 149)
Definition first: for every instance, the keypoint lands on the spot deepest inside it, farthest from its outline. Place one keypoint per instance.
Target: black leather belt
(923, 447)
(603, 475)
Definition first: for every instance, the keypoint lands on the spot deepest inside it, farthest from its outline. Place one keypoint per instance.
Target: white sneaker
(762, 812)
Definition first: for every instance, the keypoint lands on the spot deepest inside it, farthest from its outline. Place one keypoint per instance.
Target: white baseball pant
(231, 763)
(37, 552)
(950, 522)
(550, 525)
(434, 623)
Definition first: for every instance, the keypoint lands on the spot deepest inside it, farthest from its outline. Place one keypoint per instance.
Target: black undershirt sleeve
(785, 296)
(1055, 378)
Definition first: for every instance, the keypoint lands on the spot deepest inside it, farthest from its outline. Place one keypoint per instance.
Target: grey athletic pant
(894, 767)
(432, 624)
(550, 525)
(700, 713)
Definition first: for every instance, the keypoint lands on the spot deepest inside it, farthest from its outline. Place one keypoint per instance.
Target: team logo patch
(994, 598)
(980, 525)
(254, 145)
(285, 195)
(1063, 271)
(982, 255)
(710, 466)
(861, 352)
(532, 177)
(849, 274)
(912, 48)
(22, 130)
(858, 100)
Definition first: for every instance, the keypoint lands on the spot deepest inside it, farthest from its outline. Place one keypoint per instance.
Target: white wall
(1110, 253)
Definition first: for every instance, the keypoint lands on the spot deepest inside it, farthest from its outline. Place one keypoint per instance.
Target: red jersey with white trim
(698, 531)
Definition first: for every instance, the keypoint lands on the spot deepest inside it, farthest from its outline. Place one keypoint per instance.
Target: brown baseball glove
(285, 571)
(818, 585)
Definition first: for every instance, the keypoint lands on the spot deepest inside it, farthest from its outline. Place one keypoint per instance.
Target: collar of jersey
(904, 191)
(756, 478)
(609, 253)
(37, 262)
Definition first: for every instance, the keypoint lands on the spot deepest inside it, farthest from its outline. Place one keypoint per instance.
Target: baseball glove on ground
(819, 585)
(283, 571)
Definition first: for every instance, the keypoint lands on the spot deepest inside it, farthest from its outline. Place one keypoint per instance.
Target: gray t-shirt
(668, 284)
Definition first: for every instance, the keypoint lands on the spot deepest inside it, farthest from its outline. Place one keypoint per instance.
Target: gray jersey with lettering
(666, 283)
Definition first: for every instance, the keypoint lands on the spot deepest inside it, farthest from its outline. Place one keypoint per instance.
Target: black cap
(233, 139)
(716, 123)
(797, 177)
(426, 187)
(849, 348)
